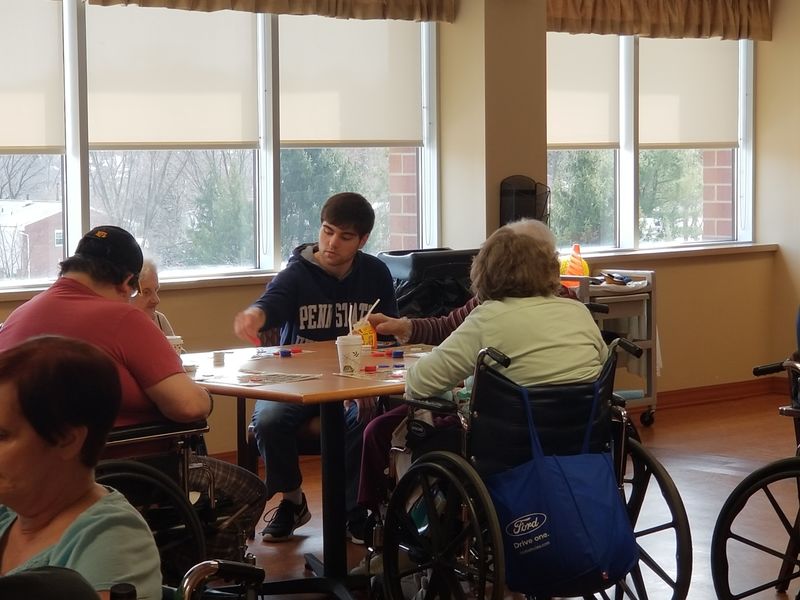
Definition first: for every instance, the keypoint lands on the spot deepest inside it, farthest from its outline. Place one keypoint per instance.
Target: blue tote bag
(565, 528)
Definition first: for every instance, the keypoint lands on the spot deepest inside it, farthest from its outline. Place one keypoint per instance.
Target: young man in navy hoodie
(310, 301)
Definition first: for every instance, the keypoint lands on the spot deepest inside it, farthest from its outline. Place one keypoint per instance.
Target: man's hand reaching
(247, 324)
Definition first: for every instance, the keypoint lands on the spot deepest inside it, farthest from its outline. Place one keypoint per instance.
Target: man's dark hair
(63, 382)
(98, 269)
(349, 209)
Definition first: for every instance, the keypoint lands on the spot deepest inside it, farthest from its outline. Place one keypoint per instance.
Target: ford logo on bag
(415, 428)
(527, 524)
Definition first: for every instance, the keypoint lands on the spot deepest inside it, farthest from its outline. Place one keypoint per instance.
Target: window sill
(597, 259)
(21, 294)
(217, 281)
(677, 253)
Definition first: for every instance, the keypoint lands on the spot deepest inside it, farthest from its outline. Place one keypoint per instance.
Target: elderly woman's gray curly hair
(517, 261)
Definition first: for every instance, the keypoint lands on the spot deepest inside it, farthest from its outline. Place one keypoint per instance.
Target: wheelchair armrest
(154, 431)
(219, 569)
(438, 405)
(240, 572)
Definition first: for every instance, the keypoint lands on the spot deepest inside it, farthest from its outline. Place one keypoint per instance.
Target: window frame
(267, 222)
(628, 152)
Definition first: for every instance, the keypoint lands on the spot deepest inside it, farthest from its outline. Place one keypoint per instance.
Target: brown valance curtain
(728, 19)
(407, 10)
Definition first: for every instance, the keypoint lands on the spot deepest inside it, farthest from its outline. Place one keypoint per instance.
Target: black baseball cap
(113, 244)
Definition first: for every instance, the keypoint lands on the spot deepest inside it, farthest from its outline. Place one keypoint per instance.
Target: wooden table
(329, 390)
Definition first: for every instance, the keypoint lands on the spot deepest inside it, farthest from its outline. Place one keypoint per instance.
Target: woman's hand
(399, 328)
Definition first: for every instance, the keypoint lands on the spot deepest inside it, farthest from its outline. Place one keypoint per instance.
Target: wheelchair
(179, 525)
(440, 535)
(759, 523)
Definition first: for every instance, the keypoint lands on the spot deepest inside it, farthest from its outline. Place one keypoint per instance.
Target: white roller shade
(160, 76)
(688, 92)
(582, 89)
(344, 81)
(31, 74)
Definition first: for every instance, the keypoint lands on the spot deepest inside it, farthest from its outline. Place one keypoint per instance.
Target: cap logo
(101, 234)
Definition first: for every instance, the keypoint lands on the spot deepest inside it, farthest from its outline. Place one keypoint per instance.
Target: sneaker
(283, 520)
(359, 526)
(357, 532)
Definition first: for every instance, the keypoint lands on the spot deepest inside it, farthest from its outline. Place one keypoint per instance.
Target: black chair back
(499, 438)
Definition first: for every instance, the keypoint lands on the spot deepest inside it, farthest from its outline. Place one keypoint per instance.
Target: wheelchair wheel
(661, 526)
(441, 533)
(759, 526)
(176, 528)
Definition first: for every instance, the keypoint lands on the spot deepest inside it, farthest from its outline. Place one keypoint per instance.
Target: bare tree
(138, 189)
(26, 175)
(12, 251)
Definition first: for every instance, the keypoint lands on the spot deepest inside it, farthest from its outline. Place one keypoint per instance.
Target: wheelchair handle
(219, 569)
(777, 367)
(495, 355)
(630, 347)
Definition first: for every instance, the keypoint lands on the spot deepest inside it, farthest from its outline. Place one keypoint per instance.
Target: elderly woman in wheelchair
(548, 343)
(550, 339)
(60, 398)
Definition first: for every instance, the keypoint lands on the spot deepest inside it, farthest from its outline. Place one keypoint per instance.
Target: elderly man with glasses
(148, 299)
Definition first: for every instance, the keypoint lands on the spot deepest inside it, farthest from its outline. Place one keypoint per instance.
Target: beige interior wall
(492, 111)
(711, 315)
(516, 117)
(462, 124)
(777, 165)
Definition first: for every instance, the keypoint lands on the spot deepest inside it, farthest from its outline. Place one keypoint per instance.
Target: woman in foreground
(58, 400)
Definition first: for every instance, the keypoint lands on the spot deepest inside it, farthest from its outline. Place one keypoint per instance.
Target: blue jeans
(276, 425)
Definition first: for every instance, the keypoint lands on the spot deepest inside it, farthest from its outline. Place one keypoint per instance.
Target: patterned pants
(240, 496)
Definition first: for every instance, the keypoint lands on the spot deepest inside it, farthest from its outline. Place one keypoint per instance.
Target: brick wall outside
(717, 195)
(403, 199)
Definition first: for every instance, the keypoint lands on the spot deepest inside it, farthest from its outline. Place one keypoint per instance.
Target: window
(583, 187)
(180, 137)
(31, 139)
(350, 120)
(386, 176)
(194, 209)
(670, 177)
(173, 132)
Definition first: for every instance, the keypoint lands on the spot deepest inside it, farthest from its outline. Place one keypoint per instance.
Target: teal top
(108, 543)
